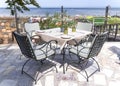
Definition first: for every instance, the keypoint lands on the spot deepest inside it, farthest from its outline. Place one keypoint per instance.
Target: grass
(100, 20)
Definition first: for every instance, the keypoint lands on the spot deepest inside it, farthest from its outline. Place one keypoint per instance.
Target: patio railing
(7, 26)
(113, 30)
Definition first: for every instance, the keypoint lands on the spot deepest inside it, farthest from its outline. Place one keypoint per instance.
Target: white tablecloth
(55, 34)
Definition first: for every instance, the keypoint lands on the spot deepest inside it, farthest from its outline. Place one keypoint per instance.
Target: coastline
(70, 11)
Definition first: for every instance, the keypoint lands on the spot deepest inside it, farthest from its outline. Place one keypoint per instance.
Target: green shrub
(113, 20)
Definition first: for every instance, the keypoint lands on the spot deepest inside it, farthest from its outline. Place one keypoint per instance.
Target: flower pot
(65, 30)
(73, 29)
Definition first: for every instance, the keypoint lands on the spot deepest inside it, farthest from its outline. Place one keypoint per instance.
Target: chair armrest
(53, 41)
(73, 42)
(47, 47)
(33, 37)
(38, 40)
(86, 41)
(53, 44)
(45, 44)
(84, 48)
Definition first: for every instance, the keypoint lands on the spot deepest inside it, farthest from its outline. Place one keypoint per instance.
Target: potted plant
(74, 27)
(65, 26)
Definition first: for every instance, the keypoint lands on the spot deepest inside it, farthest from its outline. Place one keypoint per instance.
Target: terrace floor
(11, 64)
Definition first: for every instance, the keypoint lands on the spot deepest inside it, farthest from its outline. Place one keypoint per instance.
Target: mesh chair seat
(41, 53)
(83, 53)
(87, 44)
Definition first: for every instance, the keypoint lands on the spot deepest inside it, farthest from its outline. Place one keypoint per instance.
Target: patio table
(56, 34)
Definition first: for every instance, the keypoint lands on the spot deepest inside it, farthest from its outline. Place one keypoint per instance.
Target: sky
(74, 3)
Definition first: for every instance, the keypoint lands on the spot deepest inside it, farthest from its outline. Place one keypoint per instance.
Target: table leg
(64, 60)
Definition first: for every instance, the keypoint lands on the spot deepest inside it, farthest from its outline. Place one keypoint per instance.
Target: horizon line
(67, 7)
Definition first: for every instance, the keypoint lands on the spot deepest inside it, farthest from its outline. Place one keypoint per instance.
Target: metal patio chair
(85, 53)
(37, 53)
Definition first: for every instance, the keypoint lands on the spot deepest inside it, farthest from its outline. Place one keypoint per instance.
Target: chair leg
(24, 65)
(30, 76)
(97, 64)
(67, 67)
(35, 79)
(76, 55)
(42, 61)
(20, 57)
(83, 68)
(56, 69)
(87, 76)
(53, 56)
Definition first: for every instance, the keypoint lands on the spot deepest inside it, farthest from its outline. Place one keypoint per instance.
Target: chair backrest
(31, 27)
(97, 44)
(24, 45)
(84, 26)
(98, 21)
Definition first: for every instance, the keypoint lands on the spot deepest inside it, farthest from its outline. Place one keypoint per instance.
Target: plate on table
(66, 37)
(82, 32)
(40, 31)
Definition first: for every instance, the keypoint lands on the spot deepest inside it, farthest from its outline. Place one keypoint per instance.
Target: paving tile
(108, 72)
(80, 77)
(63, 83)
(5, 64)
(68, 83)
(9, 69)
(8, 82)
(108, 76)
(114, 83)
(117, 75)
(2, 69)
(38, 83)
(49, 81)
(72, 83)
(100, 79)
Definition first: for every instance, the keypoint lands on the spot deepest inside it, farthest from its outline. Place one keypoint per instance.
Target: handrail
(113, 29)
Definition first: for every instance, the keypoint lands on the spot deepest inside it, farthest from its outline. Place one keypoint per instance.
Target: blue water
(69, 11)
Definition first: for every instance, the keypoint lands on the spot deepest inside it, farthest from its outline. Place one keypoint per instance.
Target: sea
(69, 11)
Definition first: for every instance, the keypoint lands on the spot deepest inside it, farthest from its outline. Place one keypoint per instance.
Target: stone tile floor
(11, 64)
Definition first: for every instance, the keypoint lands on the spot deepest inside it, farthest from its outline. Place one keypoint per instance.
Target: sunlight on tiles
(38, 84)
(114, 83)
(99, 79)
(67, 83)
(49, 81)
(107, 72)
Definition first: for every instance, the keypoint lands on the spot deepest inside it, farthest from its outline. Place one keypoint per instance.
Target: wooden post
(106, 16)
(62, 18)
(116, 31)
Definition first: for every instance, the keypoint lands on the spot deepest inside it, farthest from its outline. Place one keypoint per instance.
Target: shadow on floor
(115, 50)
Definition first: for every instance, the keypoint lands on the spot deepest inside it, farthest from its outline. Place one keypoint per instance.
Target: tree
(21, 6)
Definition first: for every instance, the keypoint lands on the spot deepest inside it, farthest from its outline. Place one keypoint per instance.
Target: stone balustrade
(7, 26)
